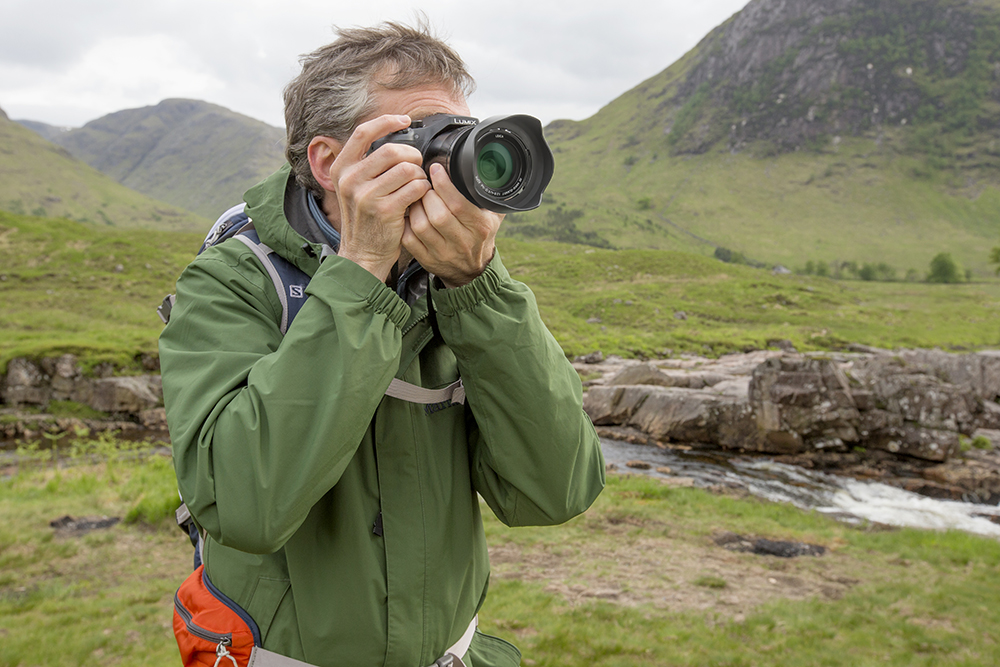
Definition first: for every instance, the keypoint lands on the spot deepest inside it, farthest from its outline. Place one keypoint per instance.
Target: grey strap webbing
(263, 658)
(455, 392)
(260, 657)
(262, 251)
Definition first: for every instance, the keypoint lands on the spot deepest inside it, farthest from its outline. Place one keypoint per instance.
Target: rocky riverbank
(923, 420)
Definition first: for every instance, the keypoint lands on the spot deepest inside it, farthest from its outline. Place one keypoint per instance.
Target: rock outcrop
(125, 400)
(911, 412)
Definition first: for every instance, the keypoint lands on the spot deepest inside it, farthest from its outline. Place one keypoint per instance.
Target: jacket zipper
(414, 323)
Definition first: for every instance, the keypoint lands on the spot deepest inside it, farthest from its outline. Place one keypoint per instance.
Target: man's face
(419, 102)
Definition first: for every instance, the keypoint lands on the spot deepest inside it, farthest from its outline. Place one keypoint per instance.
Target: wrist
(377, 265)
(459, 280)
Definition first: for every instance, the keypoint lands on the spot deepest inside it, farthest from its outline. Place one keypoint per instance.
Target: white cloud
(66, 62)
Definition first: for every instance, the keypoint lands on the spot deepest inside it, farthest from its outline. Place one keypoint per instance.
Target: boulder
(650, 374)
(671, 413)
(26, 384)
(127, 394)
(979, 372)
(801, 402)
(989, 415)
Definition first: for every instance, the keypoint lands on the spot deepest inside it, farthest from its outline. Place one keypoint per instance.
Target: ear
(322, 152)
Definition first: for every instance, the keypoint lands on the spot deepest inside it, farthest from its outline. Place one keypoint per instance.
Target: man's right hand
(374, 193)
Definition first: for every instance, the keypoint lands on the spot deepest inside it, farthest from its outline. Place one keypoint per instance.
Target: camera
(502, 164)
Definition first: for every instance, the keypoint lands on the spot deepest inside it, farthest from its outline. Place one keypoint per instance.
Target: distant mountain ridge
(46, 131)
(193, 154)
(799, 130)
(40, 178)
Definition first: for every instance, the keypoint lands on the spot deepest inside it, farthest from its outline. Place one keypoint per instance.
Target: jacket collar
(266, 207)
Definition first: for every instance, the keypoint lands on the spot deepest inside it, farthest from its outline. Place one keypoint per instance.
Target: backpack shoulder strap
(289, 280)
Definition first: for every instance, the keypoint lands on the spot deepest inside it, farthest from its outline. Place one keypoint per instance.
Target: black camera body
(502, 164)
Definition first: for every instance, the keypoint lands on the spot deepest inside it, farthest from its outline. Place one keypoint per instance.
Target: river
(844, 498)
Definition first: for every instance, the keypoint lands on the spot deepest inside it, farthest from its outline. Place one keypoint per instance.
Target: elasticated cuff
(342, 275)
(452, 301)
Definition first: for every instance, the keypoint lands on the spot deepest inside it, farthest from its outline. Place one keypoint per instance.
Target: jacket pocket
(264, 602)
(489, 651)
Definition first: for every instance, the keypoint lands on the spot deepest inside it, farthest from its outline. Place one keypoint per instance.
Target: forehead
(419, 101)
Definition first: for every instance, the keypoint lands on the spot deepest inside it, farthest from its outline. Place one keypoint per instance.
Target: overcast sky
(66, 62)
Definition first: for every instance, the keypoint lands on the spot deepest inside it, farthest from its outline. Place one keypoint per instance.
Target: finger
(390, 155)
(449, 194)
(394, 204)
(363, 136)
(388, 182)
(422, 228)
(410, 240)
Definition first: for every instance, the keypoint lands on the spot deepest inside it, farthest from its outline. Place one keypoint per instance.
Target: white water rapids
(844, 498)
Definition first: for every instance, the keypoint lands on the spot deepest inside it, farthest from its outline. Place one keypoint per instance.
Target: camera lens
(502, 164)
(495, 165)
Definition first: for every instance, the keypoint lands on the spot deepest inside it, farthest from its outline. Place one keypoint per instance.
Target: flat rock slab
(765, 547)
(70, 527)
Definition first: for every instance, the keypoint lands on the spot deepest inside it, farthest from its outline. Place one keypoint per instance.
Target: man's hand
(374, 193)
(449, 235)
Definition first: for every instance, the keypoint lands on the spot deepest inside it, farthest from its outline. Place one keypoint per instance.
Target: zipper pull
(223, 652)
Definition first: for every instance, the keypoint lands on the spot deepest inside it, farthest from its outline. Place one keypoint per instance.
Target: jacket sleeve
(534, 454)
(263, 425)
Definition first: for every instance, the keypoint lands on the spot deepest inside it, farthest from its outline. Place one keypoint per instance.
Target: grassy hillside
(796, 131)
(40, 178)
(631, 302)
(68, 286)
(196, 155)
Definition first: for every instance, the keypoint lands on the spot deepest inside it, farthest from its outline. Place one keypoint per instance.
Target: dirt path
(680, 573)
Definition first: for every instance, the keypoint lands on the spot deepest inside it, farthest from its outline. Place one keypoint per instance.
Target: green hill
(854, 130)
(193, 154)
(40, 178)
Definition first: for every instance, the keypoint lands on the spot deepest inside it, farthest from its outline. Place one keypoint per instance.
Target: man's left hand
(449, 235)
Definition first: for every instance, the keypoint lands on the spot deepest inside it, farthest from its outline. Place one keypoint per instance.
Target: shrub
(943, 269)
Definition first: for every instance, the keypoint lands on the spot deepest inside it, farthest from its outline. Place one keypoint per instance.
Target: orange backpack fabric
(210, 628)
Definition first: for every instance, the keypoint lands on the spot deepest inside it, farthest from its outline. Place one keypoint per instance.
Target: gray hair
(338, 82)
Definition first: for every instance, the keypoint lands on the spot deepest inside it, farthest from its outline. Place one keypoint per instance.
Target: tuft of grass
(709, 581)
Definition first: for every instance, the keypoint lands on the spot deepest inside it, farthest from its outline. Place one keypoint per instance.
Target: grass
(70, 287)
(631, 302)
(919, 598)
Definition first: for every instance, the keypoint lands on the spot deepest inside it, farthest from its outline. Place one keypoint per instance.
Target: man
(344, 522)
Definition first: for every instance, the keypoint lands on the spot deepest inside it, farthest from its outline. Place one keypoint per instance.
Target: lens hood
(503, 164)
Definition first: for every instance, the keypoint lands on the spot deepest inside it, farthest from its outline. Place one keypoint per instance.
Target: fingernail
(403, 119)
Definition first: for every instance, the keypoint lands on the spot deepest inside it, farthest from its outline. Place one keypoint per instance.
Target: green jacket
(287, 452)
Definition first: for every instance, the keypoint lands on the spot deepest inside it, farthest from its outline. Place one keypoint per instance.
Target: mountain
(193, 154)
(799, 131)
(46, 131)
(39, 178)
